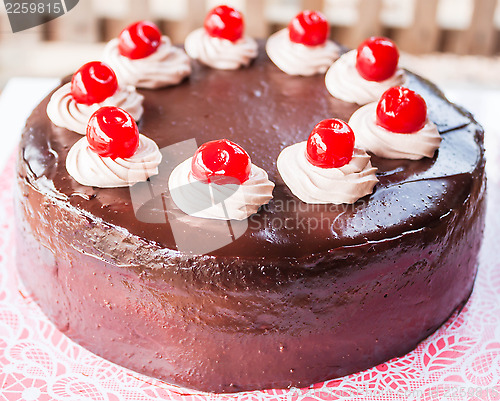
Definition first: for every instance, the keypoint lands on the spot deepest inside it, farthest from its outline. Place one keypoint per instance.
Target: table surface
(460, 361)
(18, 98)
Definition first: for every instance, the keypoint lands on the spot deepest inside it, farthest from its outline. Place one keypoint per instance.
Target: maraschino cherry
(221, 162)
(139, 40)
(225, 22)
(112, 132)
(377, 59)
(401, 110)
(93, 83)
(331, 144)
(309, 28)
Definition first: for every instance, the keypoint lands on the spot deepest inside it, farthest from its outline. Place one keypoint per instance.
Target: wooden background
(447, 41)
(418, 26)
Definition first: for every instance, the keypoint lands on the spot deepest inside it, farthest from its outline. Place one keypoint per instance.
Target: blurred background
(444, 40)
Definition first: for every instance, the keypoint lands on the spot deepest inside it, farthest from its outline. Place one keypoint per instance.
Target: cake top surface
(264, 110)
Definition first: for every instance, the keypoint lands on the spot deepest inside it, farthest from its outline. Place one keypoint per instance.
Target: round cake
(296, 294)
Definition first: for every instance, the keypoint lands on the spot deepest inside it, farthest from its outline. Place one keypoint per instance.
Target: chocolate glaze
(282, 305)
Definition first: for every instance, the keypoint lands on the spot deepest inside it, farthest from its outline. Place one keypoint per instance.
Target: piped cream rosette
(391, 145)
(90, 169)
(298, 59)
(64, 111)
(232, 198)
(221, 202)
(219, 53)
(344, 82)
(396, 127)
(327, 168)
(167, 66)
(113, 154)
(312, 184)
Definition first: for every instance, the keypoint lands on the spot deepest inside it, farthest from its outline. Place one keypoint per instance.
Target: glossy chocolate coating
(286, 303)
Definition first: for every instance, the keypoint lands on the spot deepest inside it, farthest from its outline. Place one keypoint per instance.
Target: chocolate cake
(302, 293)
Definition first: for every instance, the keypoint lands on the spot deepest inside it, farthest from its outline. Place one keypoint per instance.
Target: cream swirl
(88, 168)
(168, 65)
(298, 59)
(312, 184)
(344, 82)
(215, 201)
(66, 112)
(219, 53)
(392, 145)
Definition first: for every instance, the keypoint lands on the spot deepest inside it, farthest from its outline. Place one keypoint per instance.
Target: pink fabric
(460, 361)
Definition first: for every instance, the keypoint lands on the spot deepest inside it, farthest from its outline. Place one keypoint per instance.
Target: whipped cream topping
(392, 145)
(298, 59)
(66, 112)
(88, 168)
(221, 202)
(220, 53)
(312, 184)
(344, 82)
(168, 65)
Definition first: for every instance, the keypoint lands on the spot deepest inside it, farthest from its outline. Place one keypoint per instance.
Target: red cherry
(377, 59)
(225, 22)
(139, 40)
(401, 110)
(112, 132)
(309, 28)
(221, 162)
(331, 144)
(93, 83)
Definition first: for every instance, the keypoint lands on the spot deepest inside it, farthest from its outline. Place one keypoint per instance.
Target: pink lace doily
(460, 361)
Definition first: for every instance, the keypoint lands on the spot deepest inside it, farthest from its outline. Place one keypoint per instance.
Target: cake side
(326, 317)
